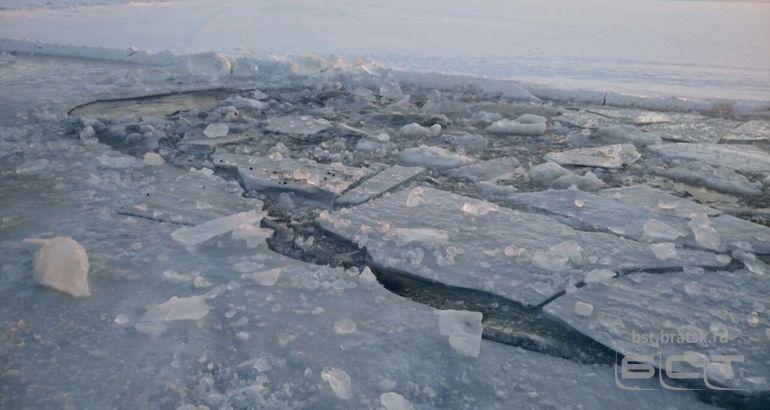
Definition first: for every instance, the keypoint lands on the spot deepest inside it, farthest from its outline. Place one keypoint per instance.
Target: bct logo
(638, 367)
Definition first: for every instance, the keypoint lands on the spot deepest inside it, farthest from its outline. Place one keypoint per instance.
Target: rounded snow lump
(62, 264)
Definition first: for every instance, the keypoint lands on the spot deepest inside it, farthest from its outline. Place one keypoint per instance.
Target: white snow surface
(696, 49)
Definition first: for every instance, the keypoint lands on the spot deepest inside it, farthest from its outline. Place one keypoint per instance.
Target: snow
(634, 47)
(62, 264)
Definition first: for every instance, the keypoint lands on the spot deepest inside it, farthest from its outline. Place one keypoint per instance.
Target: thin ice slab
(738, 157)
(714, 177)
(301, 126)
(379, 184)
(468, 243)
(488, 170)
(608, 156)
(189, 199)
(286, 174)
(699, 314)
(657, 200)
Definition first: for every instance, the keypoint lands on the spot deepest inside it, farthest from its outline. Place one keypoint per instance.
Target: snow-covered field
(683, 48)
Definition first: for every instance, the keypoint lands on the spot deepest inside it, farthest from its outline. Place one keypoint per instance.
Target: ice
(664, 250)
(610, 215)
(752, 263)
(657, 201)
(599, 275)
(463, 329)
(176, 308)
(740, 233)
(547, 172)
(489, 170)
(62, 264)
(426, 233)
(395, 401)
(339, 382)
(198, 234)
(213, 65)
(379, 184)
(305, 176)
(583, 309)
(253, 235)
(662, 315)
(479, 208)
(587, 182)
(118, 161)
(697, 129)
(737, 157)
(609, 156)
(242, 102)
(584, 119)
(153, 159)
(657, 231)
(628, 133)
(755, 130)
(717, 178)
(32, 167)
(266, 278)
(366, 277)
(344, 327)
(217, 130)
(415, 130)
(433, 157)
(187, 143)
(705, 234)
(300, 126)
(516, 128)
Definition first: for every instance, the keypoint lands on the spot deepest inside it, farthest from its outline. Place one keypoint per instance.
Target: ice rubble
(379, 184)
(629, 133)
(415, 130)
(277, 173)
(426, 233)
(216, 130)
(609, 156)
(707, 313)
(526, 124)
(62, 264)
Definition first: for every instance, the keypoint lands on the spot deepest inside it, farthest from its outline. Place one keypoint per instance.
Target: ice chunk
(395, 401)
(339, 381)
(241, 102)
(379, 184)
(433, 157)
(717, 178)
(253, 235)
(516, 127)
(531, 119)
(117, 161)
(210, 64)
(664, 250)
(367, 277)
(755, 130)
(599, 275)
(176, 308)
(265, 277)
(584, 309)
(479, 208)
(751, 262)
(198, 234)
(656, 231)
(583, 119)
(153, 159)
(558, 258)
(216, 130)
(415, 130)
(435, 130)
(545, 173)
(344, 327)
(705, 234)
(300, 126)
(738, 157)
(62, 264)
(629, 133)
(492, 169)
(587, 182)
(464, 330)
(609, 156)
